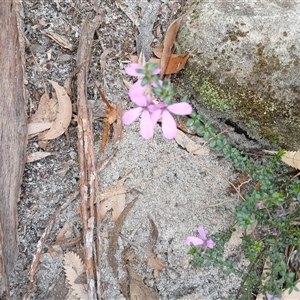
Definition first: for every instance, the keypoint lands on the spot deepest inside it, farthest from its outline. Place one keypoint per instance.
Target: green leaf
(145, 81)
(151, 66)
(185, 98)
(157, 91)
(190, 122)
(141, 71)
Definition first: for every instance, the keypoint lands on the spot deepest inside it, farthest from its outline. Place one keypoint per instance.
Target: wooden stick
(88, 181)
(32, 279)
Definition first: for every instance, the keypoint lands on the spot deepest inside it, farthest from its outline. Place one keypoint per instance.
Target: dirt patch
(174, 190)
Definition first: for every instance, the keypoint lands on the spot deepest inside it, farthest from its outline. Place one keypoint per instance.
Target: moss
(258, 113)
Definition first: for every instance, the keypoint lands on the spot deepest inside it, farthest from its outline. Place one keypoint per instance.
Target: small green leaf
(190, 122)
(145, 81)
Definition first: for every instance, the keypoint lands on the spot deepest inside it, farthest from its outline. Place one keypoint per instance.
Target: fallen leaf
(74, 268)
(154, 263)
(168, 44)
(36, 128)
(113, 241)
(138, 290)
(176, 63)
(184, 141)
(113, 198)
(37, 156)
(62, 233)
(59, 39)
(63, 116)
(292, 158)
(158, 51)
(110, 118)
(133, 58)
(44, 117)
(152, 260)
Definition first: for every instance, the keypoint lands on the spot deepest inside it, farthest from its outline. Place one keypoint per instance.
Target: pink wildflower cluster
(149, 112)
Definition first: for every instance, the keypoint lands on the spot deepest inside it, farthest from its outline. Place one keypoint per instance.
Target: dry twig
(32, 279)
(88, 177)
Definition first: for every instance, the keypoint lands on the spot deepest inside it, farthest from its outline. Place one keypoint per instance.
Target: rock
(246, 64)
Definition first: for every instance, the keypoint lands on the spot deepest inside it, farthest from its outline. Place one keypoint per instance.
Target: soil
(175, 190)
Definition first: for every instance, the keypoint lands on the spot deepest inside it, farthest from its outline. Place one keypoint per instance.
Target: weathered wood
(13, 137)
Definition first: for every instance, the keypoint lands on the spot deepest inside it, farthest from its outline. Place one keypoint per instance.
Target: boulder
(246, 64)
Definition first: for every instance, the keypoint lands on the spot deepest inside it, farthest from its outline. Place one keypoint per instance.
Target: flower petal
(131, 115)
(136, 92)
(271, 297)
(194, 240)
(168, 125)
(210, 243)
(131, 70)
(202, 233)
(181, 108)
(155, 114)
(146, 125)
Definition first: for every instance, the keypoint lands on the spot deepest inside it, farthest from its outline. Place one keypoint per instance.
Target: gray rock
(246, 63)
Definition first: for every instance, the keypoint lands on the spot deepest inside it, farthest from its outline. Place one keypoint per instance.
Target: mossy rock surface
(246, 64)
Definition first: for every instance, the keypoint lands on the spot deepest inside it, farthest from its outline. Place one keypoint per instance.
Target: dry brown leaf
(46, 111)
(158, 51)
(74, 268)
(44, 117)
(133, 58)
(36, 128)
(59, 39)
(37, 156)
(292, 158)
(176, 63)
(113, 242)
(63, 116)
(113, 198)
(62, 233)
(184, 141)
(138, 290)
(168, 44)
(155, 264)
(110, 118)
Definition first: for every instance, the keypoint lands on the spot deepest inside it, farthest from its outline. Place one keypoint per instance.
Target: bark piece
(13, 135)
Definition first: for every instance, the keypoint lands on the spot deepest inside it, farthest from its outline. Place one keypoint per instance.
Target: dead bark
(88, 175)
(13, 136)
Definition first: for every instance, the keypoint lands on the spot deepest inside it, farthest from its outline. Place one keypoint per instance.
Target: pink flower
(169, 127)
(137, 90)
(200, 241)
(133, 67)
(275, 232)
(280, 213)
(259, 204)
(271, 297)
(146, 126)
